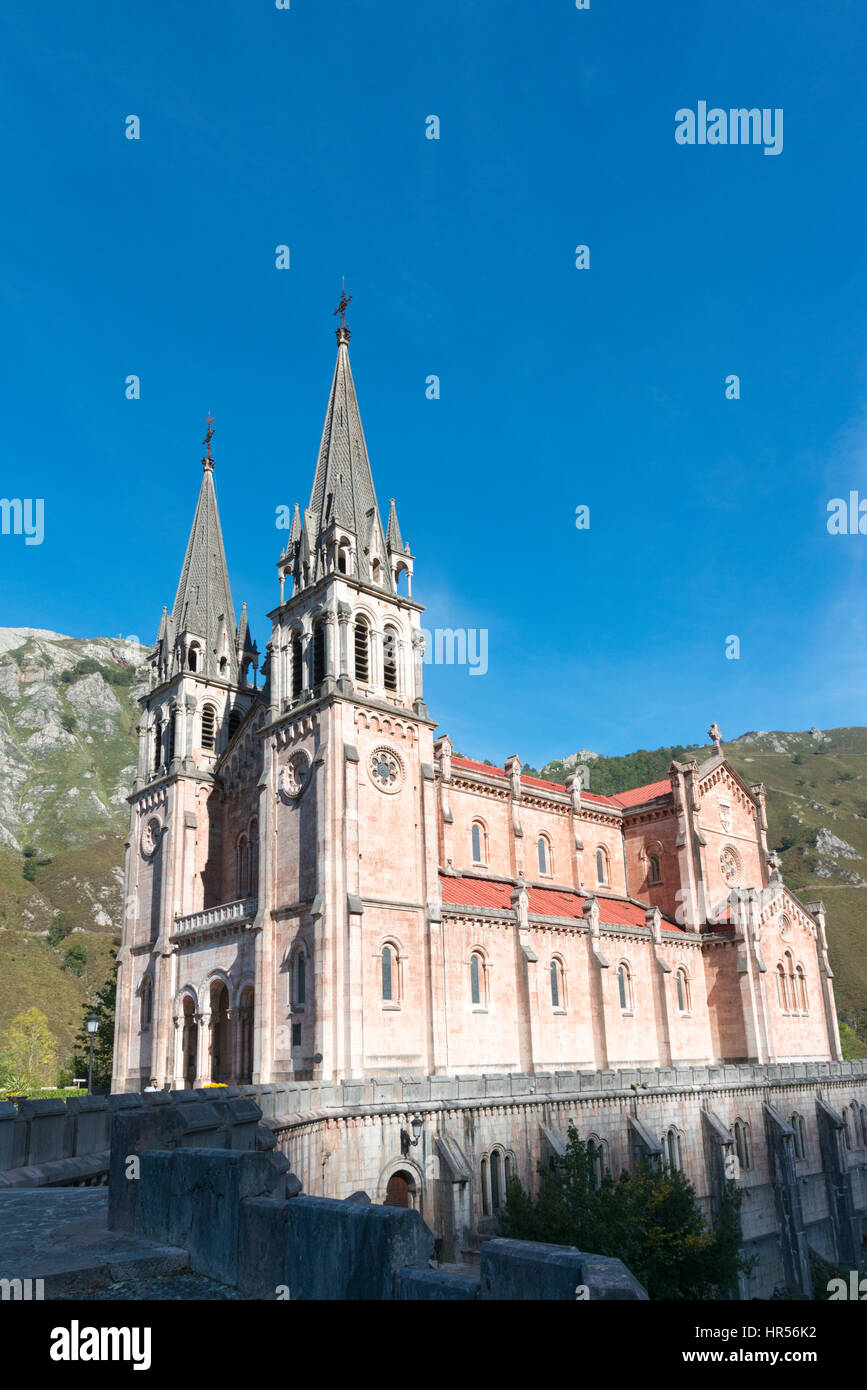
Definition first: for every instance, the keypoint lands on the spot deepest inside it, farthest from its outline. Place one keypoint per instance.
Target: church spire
(202, 615)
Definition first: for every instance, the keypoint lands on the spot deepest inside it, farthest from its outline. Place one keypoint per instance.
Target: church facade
(319, 890)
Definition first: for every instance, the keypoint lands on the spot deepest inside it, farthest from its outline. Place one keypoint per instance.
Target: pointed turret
(201, 629)
(393, 537)
(248, 652)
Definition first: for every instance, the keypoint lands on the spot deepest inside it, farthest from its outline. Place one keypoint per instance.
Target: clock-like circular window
(386, 770)
(150, 837)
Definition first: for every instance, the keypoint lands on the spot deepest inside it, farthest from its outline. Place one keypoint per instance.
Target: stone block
(134, 1129)
(441, 1285)
(261, 1246)
(48, 1131)
(205, 1189)
(565, 1081)
(90, 1115)
(470, 1087)
(443, 1088)
(386, 1090)
(497, 1084)
(416, 1090)
(520, 1084)
(521, 1270)
(339, 1251)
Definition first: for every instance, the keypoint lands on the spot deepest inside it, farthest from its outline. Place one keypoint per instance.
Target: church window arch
(479, 842)
(147, 1002)
(478, 980)
(799, 1129)
(684, 996)
(624, 987)
(362, 650)
(209, 728)
(194, 657)
(672, 1147)
(389, 659)
(401, 579)
(158, 744)
(242, 866)
(546, 864)
(801, 989)
(297, 665)
(602, 867)
(391, 973)
(654, 866)
(731, 866)
(781, 987)
(298, 970)
(376, 572)
(343, 556)
(253, 852)
(224, 666)
(236, 718)
(318, 653)
(558, 984)
(743, 1143)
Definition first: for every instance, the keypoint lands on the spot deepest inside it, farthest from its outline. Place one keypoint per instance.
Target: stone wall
(54, 1143)
(342, 1136)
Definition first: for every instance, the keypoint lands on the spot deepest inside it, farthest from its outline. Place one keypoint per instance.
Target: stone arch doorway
(221, 1034)
(190, 1043)
(401, 1190)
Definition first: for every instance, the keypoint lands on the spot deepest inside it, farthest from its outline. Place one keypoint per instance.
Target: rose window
(386, 770)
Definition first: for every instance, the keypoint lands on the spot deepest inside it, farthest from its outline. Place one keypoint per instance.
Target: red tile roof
(636, 796)
(544, 902)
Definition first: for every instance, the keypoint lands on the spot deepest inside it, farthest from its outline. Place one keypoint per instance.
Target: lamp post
(417, 1125)
(92, 1026)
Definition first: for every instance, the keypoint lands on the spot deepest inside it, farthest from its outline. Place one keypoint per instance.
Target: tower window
(477, 837)
(624, 986)
(683, 1000)
(362, 653)
(173, 730)
(158, 744)
(318, 654)
(147, 1000)
(193, 660)
(235, 719)
(654, 874)
(209, 727)
(297, 667)
(298, 979)
(555, 984)
(389, 659)
(475, 978)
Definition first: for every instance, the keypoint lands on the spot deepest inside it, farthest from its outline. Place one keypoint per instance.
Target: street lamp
(92, 1025)
(417, 1125)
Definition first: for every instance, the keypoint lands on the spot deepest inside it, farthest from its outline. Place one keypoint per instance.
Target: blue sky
(559, 387)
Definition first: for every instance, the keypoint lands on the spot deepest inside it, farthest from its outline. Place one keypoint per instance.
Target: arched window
(801, 985)
(235, 720)
(376, 571)
(477, 967)
(298, 979)
(224, 666)
(486, 1205)
(601, 865)
(624, 985)
(742, 1143)
(847, 1138)
(781, 985)
(193, 657)
(173, 733)
(556, 971)
(388, 973)
(209, 727)
(362, 652)
(147, 1000)
(854, 1125)
(242, 865)
(343, 559)
(596, 1155)
(318, 654)
(158, 744)
(673, 1149)
(544, 849)
(253, 875)
(389, 659)
(791, 997)
(799, 1131)
(477, 835)
(496, 1181)
(683, 994)
(654, 872)
(297, 666)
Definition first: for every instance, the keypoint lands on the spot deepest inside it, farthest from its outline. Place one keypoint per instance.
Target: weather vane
(344, 302)
(209, 421)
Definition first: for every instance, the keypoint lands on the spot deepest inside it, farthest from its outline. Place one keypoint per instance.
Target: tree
(28, 1051)
(649, 1219)
(28, 870)
(76, 958)
(103, 1044)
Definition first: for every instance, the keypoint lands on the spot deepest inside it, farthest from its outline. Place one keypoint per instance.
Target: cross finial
(344, 302)
(208, 461)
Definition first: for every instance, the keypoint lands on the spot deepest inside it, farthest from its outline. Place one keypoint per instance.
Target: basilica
(321, 893)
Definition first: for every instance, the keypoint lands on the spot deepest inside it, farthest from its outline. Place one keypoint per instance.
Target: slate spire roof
(393, 538)
(343, 483)
(203, 602)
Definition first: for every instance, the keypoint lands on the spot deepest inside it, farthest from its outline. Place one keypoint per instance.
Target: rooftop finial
(208, 461)
(343, 331)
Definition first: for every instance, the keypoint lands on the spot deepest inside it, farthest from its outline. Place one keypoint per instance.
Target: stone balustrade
(226, 914)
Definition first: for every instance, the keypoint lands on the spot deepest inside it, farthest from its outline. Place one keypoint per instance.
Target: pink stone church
(318, 888)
